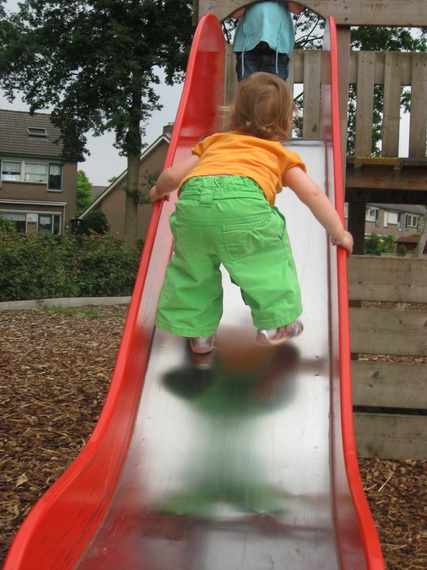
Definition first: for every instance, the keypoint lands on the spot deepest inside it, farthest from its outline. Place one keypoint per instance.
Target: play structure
(244, 459)
(397, 175)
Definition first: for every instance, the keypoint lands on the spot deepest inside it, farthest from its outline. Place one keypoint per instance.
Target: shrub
(373, 245)
(376, 245)
(42, 266)
(401, 250)
(6, 225)
(96, 222)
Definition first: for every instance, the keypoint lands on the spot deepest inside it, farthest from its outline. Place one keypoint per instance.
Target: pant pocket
(244, 239)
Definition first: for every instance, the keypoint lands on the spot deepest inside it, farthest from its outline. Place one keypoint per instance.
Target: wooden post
(343, 37)
(356, 224)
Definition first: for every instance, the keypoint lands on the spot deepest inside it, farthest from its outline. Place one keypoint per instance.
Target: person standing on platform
(265, 38)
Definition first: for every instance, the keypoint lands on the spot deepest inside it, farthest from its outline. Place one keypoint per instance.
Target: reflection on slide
(240, 459)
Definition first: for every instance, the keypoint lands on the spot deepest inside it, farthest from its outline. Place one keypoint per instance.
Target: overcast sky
(104, 161)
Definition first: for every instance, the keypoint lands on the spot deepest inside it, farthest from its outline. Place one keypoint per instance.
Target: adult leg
(248, 62)
(276, 63)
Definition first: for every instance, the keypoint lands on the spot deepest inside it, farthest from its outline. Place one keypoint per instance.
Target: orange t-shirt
(239, 154)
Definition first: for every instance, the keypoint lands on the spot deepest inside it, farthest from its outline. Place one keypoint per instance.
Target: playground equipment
(246, 460)
(389, 178)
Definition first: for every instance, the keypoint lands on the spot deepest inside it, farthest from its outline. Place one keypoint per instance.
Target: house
(95, 191)
(112, 200)
(399, 220)
(37, 186)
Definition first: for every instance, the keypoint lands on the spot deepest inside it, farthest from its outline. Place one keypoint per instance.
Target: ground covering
(55, 369)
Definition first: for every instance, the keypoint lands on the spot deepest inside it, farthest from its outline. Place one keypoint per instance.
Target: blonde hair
(263, 107)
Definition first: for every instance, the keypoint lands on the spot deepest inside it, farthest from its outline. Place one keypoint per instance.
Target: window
(11, 170)
(372, 215)
(49, 223)
(393, 218)
(45, 224)
(37, 132)
(55, 177)
(18, 220)
(412, 221)
(35, 172)
(32, 222)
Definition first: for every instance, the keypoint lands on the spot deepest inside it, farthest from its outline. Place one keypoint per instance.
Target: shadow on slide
(242, 459)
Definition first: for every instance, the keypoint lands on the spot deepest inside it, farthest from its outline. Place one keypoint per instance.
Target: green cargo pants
(227, 220)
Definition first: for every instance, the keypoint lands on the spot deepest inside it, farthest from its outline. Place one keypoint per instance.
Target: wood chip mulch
(55, 368)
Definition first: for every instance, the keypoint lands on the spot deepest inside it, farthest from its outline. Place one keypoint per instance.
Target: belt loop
(206, 197)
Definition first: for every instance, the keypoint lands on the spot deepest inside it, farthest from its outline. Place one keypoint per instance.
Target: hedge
(43, 266)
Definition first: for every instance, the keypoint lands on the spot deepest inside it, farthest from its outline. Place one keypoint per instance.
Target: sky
(104, 161)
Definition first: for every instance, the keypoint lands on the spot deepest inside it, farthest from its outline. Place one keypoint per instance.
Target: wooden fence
(390, 341)
(393, 71)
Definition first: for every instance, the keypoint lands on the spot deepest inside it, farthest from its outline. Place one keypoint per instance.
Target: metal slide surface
(242, 459)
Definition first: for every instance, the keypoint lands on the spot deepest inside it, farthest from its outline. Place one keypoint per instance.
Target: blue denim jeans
(262, 58)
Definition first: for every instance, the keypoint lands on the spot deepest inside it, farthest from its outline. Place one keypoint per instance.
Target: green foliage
(147, 182)
(387, 39)
(96, 222)
(6, 225)
(83, 192)
(95, 63)
(141, 195)
(43, 266)
(401, 250)
(376, 245)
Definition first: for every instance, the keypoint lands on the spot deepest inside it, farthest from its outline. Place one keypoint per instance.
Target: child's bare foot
(202, 344)
(279, 335)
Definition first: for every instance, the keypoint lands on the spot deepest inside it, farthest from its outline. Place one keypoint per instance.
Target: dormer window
(37, 132)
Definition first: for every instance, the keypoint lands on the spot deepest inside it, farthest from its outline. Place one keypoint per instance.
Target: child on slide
(226, 215)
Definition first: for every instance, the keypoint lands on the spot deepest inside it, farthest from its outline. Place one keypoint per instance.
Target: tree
(95, 63)
(419, 250)
(83, 192)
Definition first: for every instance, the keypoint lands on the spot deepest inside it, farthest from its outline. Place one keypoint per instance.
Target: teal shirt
(269, 22)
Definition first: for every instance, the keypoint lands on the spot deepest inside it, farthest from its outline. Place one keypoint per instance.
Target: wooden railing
(388, 339)
(393, 71)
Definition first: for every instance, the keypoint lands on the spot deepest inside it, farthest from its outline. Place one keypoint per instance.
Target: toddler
(226, 215)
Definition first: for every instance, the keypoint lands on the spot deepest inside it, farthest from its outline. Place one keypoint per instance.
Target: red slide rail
(357, 540)
(60, 526)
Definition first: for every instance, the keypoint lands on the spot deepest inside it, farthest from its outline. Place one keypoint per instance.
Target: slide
(243, 459)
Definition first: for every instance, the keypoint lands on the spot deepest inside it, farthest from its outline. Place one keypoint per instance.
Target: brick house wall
(37, 187)
(112, 200)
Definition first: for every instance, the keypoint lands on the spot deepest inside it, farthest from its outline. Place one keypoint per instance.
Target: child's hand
(154, 197)
(346, 242)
